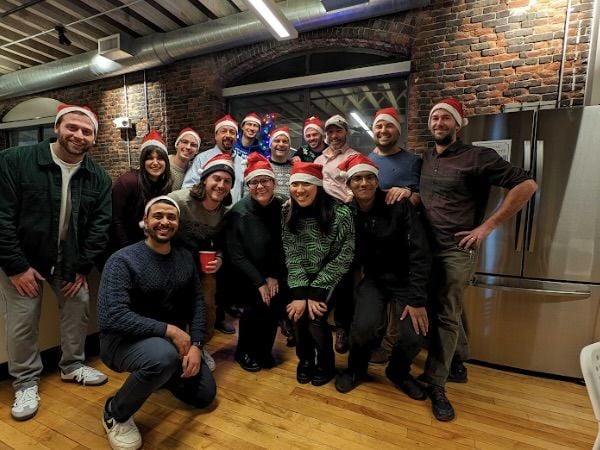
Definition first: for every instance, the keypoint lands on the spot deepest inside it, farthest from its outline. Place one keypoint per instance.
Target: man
(149, 295)
(55, 212)
(399, 173)
(248, 140)
(279, 159)
(315, 143)
(336, 130)
(225, 134)
(187, 145)
(392, 248)
(455, 183)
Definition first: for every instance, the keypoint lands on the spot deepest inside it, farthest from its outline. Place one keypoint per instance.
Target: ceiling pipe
(159, 49)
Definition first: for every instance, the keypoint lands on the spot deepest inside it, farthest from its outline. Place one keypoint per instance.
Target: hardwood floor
(268, 409)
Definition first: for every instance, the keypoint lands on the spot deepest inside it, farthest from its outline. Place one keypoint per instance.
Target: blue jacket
(30, 187)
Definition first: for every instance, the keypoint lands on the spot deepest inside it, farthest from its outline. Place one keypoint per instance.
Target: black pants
(313, 339)
(368, 325)
(258, 328)
(342, 299)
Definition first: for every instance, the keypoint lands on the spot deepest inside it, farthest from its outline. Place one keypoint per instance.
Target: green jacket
(30, 190)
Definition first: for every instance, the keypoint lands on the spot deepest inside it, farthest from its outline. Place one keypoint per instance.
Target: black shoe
(247, 362)
(225, 327)
(267, 361)
(458, 372)
(234, 312)
(406, 384)
(346, 381)
(440, 405)
(322, 376)
(341, 341)
(291, 341)
(287, 329)
(304, 372)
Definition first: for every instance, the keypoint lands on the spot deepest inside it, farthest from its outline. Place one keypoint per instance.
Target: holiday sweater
(316, 262)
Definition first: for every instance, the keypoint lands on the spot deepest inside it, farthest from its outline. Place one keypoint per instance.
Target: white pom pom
(200, 170)
(344, 174)
(141, 224)
(465, 122)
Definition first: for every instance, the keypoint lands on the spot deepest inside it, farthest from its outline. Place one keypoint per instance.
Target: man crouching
(149, 295)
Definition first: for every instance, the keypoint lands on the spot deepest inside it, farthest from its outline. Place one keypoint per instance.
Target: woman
(318, 240)
(132, 190)
(256, 264)
(203, 207)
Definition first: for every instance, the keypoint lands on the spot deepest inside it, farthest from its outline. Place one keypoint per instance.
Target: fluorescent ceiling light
(272, 17)
(361, 123)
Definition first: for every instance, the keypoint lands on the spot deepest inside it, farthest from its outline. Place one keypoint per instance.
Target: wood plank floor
(268, 409)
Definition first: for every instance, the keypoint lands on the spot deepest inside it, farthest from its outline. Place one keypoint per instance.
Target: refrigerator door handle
(535, 203)
(520, 221)
(570, 290)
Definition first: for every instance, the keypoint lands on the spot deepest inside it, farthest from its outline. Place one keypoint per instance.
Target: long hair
(148, 188)
(198, 192)
(322, 209)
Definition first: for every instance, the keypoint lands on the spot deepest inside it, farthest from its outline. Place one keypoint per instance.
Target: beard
(445, 140)
(386, 147)
(152, 234)
(66, 145)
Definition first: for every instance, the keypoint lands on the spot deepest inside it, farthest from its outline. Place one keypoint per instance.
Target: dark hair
(198, 192)
(322, 209)
(148, 188)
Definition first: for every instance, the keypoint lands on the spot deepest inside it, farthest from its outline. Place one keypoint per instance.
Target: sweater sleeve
(114, 304)
(297, 277)
(198, 320)
(340, 257)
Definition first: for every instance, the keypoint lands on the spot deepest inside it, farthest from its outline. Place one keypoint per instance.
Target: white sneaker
(209, 360)
(85, 375)
(121, 435)
(26, 403)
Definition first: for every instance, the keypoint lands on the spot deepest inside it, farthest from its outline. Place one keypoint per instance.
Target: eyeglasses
(370, 178)
(192, 144)
(263, 181)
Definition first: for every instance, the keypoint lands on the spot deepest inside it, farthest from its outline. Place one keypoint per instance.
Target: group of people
(387, 241)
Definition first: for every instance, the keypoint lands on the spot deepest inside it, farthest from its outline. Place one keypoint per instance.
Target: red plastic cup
(205, 258)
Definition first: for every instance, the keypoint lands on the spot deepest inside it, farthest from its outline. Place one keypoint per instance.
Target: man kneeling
(391, 247)
(149, 295)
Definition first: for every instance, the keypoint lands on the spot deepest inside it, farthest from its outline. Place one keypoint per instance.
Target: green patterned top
(316, 262)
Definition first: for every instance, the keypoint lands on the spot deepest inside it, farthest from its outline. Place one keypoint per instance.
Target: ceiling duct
(164, 48)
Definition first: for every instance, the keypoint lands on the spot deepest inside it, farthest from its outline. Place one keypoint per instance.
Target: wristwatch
(197, 344)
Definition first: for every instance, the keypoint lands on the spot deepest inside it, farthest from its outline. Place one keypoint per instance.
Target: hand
(181, 340)
(316, 308)
(295, 159)
(419, 319)
(474, 238)
(214, 265)
(295, 309)
(191, 362)
(70, 289)
(26, 282)
(396, 194)
(273, 285)
(265, 294)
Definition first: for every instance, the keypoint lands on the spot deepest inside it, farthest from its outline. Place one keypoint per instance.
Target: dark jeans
(451, 273)
(313, 338)
(154, 363)
(342, 299)
(372, 300)
(258, 327)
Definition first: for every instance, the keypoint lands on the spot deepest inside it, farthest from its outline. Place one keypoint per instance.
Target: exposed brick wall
(477, 51)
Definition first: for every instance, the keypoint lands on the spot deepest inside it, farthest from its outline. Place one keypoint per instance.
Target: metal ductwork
(164, 48)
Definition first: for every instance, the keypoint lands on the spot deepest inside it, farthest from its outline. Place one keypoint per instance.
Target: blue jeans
(153, 363)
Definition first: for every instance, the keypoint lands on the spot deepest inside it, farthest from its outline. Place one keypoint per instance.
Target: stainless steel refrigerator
(536, 300)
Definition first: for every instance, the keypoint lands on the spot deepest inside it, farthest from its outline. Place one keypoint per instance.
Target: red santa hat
(307, 172)
(153, 139)
(226, 120)
(190, 132)
(221, 162)
(257, 165)
(357, 163)
(63, 109)
(315, 123)
(454, 107)
(285, 131)
(389, 115)
(252, 117)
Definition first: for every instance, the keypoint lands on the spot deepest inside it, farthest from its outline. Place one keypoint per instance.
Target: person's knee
(206, 392)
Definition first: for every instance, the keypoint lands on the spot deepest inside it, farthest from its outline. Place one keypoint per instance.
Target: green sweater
(316, 262)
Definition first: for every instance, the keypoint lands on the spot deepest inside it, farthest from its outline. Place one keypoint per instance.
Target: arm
(297, 277)
(514, 201)
(198, 320)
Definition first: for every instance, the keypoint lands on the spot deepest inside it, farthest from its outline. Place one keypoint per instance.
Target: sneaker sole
(95, 383)
(23, 418)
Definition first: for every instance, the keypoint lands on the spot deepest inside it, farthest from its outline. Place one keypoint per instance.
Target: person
(225, 133)
(392, 248)
(187, 145)
(455, 183)
(203, 208)
(279, 159)
(152, 324)
(336, 130)
(314, 135)
(55, 210)
(318, 241)
(256, 264)
(132, 190)
(399, 174)
(247, 142)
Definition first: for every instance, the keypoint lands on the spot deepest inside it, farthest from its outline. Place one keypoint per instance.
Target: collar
(452, 148)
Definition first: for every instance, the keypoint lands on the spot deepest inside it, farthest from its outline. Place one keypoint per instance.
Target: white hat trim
(71, 109)
(316, 127)
(388, 118)
(191, 133)
(461, 121)
(362, 168)
(280, 133)
(305, 178)
(251, 119)
(155, 143)
(258, 172)
(226, 123)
